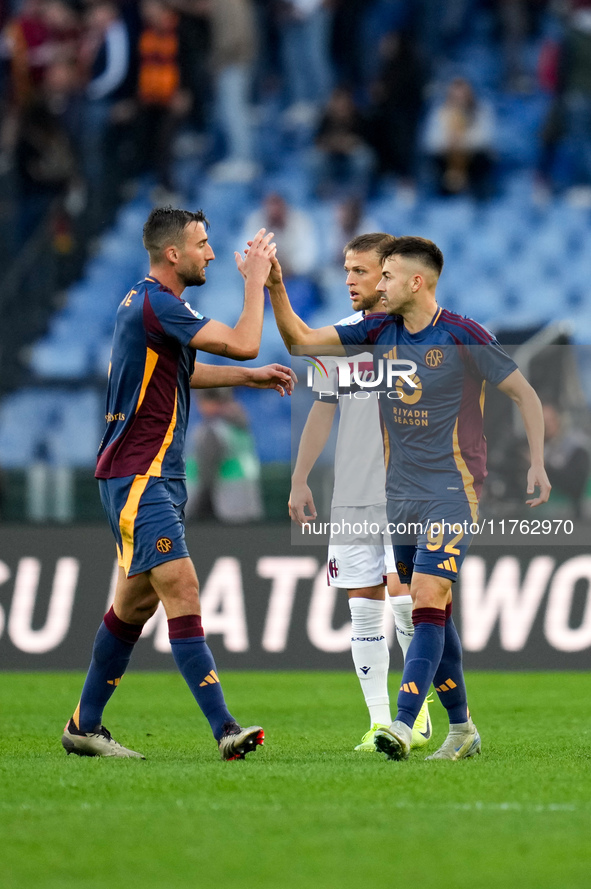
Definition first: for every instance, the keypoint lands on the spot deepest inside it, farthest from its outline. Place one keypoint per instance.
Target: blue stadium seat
(74, 435)
(24, 416)
(273, 436)
(64, 359)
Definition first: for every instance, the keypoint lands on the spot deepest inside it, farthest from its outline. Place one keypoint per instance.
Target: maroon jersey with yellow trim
(149, 384)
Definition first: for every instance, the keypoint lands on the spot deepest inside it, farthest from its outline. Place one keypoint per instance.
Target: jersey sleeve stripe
(472, 327)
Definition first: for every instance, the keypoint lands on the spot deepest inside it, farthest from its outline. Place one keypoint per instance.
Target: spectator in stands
(106, 58)
(444, 26)
(349, 220)
(342, 162)
(45, 158)
(566, 454)
(518, 21)
(297, 244)
(304, 30)
(161, 100)
(27, 37)
(396, 107)
(574, 91)
(194, 52)
(459, 141)
(233, 51)
(347, 42)
(228, 472)
(63, 21)
(41, 33)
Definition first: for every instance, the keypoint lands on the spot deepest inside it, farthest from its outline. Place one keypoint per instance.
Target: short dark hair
(416, 248)
(377, 241)
(166, 225)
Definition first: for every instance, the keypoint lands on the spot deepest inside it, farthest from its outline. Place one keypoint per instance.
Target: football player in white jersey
(358, 496)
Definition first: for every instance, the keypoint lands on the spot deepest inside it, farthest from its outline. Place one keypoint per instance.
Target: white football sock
(371, 656)
(402, 608)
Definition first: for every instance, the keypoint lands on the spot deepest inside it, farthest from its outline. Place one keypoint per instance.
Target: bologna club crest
(333, 569)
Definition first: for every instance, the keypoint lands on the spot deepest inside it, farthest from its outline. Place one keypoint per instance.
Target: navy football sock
(111, 652)
(197, 666)
(422, 660)
(449, 677)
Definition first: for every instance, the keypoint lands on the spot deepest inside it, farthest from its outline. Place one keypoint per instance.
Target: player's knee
(181, 596)
(146, 610)
(430, 592)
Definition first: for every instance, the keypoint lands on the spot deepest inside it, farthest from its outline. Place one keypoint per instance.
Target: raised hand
(257, 256)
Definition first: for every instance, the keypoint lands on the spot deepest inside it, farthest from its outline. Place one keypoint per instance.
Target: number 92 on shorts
(431, 537)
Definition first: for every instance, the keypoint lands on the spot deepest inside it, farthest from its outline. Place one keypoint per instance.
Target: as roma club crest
(434, 357)
(164, 545)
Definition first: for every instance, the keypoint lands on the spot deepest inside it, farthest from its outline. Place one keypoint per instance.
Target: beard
(193, 278)
(368, 303)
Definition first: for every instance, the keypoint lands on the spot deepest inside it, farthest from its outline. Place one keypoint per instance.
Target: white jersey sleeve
(359, 469)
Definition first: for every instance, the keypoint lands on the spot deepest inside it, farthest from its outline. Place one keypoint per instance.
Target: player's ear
(171, 254)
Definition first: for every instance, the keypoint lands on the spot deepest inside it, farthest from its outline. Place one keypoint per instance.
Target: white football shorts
(356, 565)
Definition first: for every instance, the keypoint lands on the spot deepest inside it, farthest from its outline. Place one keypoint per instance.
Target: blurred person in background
(349, 219)
(304, 31)
(296, 240)
(574, 98)
(347, 41)
(233, 52)
(517, 22)
(41, 33)
(219, 66)
(161, 101)
(341, 159)
(227, 483)
(444, 26)
(194, 50)
(566, 452)
(46, 162)
(27, 38)
(108, 64)
(396, 108)
(459, 141)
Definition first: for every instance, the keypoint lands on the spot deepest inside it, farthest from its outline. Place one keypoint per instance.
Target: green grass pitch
(305, 810)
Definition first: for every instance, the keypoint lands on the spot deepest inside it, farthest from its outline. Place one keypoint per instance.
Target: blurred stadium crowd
(468, 122)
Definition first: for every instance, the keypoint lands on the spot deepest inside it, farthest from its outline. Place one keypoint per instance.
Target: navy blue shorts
(147, 517)
(430, 536)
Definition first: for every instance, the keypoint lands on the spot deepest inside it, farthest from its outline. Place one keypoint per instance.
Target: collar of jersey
(421, 334)
(152, 280)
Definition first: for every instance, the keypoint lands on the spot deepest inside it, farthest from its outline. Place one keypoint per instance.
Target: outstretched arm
(314, 437)
(271, 376)
(293, 330)
(530, 408)
(243, 340)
